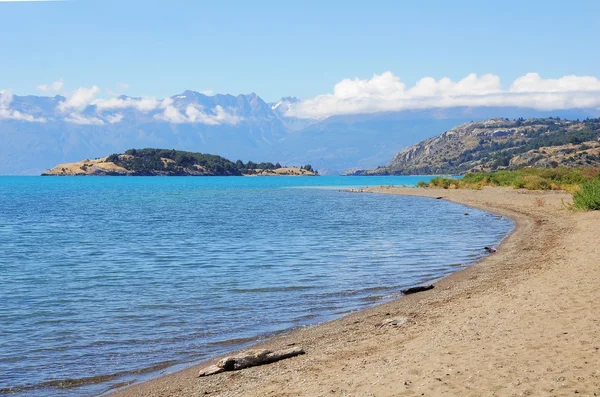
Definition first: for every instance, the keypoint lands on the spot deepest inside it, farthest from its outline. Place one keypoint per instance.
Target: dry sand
(524, 321)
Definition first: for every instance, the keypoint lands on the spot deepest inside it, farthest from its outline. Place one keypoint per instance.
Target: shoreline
(355, 355)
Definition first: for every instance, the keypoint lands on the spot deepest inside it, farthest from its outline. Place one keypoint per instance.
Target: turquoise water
(105, 279)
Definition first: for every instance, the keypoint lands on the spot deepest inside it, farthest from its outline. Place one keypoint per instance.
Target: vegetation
(177, 162)
(584, 183)
(588, 196)
(525, 178)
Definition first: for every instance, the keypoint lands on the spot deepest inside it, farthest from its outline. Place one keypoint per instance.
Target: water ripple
(104, 279)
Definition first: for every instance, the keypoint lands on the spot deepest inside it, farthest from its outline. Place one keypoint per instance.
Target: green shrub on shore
(584, 183)
(444, 183)
(588, 196)
(526, 178)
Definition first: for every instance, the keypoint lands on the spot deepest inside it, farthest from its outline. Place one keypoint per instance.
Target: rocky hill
(500, 144)
(162, 162)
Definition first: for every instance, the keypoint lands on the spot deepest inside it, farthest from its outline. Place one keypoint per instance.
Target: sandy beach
(523, 321)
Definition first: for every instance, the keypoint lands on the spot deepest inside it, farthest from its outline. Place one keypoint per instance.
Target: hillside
(163, 162)
(498, 144)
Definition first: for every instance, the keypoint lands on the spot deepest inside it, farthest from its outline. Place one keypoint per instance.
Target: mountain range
(39, 132)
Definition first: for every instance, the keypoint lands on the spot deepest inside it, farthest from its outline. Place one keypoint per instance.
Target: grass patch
(588, 196)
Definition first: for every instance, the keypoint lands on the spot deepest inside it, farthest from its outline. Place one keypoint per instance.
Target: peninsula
(164, 162)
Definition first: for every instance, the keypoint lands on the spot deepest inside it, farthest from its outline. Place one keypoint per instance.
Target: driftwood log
(250, 358)
(414, 290)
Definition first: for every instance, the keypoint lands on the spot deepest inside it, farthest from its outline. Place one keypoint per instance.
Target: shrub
(113, 158)
(534, 182)
(444, 183)
(588, 196)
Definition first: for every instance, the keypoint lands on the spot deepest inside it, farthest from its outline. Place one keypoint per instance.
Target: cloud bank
(6, 113)
(79, 100)
(382, 93)
(84, 97)
(387, 93)
(197, 114)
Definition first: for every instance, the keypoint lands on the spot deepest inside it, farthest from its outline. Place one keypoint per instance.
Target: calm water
(105, 279)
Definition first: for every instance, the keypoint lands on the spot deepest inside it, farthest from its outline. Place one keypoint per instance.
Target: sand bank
(524, 321)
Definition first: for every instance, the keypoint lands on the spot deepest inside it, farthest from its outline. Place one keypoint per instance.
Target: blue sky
(276, 48)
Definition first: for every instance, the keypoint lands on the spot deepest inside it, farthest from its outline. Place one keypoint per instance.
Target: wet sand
(523, 321)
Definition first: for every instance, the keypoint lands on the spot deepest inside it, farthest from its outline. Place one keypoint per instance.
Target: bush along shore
(583, 183)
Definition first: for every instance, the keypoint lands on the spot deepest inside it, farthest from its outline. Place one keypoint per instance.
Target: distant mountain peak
(283, 105)
(187, 94)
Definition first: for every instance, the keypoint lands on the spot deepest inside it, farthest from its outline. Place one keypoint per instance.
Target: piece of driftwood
(250, 358)
(414, 290)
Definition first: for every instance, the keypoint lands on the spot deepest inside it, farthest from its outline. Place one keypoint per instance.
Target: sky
(314, 50)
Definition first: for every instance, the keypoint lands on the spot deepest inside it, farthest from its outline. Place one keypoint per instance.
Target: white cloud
(219, 116)
(196, 114)
(533, 82)
(80, 99)
(172, 115)
(55, 86)
(386, 92)
(76, 118)
(6, 113)
(114, 118)
(141, 104)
